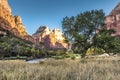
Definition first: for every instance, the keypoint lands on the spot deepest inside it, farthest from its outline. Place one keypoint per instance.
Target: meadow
(63, 69)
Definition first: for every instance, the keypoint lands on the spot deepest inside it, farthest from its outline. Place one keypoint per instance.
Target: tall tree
(81, 28)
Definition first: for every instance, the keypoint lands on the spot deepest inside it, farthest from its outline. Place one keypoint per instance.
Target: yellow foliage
(94, 51)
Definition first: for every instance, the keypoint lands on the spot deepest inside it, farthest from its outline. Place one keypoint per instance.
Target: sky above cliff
(35, 13)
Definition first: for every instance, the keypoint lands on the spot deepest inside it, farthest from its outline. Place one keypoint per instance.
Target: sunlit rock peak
(51, 38)
(10, 22)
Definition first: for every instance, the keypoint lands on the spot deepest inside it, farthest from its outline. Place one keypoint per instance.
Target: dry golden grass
(61, 70)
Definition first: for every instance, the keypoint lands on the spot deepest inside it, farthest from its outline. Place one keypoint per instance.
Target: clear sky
(35, 13)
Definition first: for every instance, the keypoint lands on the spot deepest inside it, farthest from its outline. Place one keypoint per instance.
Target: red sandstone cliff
(113, 20)
(12, 23)
(51, 38)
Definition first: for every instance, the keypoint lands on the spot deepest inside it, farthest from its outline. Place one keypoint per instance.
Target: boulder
(104, 55)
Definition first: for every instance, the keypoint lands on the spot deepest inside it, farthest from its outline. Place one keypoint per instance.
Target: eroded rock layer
(113, 20)
(10, 22)
(51, 38)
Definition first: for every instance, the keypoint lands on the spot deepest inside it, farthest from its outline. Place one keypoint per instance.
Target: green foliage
(73, 57)
(58, 57)
(11, 45)
(67, 55)
(105, 41)
(81, 28)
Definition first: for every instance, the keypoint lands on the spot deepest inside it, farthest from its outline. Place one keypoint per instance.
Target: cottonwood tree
(80, 29)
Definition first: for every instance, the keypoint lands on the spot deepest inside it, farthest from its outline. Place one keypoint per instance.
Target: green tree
(5, 48)
(80, 29)
(104, 40)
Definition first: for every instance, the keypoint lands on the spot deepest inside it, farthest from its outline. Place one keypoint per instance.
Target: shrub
(95, 51)
(73, 57)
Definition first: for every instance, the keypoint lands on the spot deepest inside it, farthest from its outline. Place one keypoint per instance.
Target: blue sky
(35, 13)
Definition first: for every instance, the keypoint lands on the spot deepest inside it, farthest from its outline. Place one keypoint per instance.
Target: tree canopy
(81, 30)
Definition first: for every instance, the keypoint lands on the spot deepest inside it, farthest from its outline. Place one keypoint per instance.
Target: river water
(35, 60)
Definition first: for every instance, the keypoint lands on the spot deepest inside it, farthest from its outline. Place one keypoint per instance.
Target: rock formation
(52, 39)
(4, 4)
(12, 23)
(113, 20)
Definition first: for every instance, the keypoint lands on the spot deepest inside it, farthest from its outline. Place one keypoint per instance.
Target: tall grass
(61, 70)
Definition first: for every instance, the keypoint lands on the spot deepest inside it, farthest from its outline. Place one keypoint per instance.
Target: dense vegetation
(83, 32)
(80, 32)
(12, 46)
(104, 40)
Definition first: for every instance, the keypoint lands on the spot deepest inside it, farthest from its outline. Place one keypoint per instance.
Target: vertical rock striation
(52, 39)
(12, 23)
(113, 20)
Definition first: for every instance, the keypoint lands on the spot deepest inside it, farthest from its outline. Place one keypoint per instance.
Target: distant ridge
(52, 39)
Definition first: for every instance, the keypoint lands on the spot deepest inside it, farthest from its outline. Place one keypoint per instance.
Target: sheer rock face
(10, 22)
(113, 20)
(51, 38)
(4, 4)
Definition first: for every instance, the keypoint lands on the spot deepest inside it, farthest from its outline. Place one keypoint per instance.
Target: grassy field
(90, 69)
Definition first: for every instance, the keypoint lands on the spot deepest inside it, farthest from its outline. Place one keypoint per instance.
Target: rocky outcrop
(12, 23)
(52, 39)
(4, 4)
(113, 20)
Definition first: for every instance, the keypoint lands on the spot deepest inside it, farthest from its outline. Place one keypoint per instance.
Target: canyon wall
(12, 23)
(113, 20)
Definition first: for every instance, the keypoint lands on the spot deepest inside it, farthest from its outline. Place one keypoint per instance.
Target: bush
(95, 51)
(73, 57)
(58, 57)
